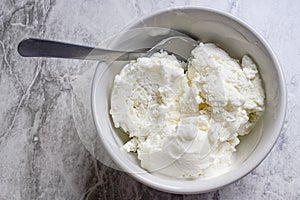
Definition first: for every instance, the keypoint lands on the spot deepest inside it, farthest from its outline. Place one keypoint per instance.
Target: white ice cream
(187, 124)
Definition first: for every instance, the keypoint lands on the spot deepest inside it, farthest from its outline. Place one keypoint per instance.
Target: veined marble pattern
(45, 119)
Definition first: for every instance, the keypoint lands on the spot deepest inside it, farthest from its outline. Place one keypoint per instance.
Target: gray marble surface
(46, 126)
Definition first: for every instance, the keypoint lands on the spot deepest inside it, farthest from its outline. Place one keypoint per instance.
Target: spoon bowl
(180, 46)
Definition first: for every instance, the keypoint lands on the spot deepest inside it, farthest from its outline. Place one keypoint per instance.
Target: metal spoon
(47, 48)
(180, 46)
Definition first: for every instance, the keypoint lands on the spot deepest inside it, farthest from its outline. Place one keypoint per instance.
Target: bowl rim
(242, 172)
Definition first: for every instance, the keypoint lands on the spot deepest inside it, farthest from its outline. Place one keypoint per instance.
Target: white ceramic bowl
(237, 38)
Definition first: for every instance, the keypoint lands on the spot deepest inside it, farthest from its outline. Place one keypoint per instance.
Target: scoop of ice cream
(187, 124)
(233, 92)
(144, 100)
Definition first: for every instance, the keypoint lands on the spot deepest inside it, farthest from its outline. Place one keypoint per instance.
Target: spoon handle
(46, 48)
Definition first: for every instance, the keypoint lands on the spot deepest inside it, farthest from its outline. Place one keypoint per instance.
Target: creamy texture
(187, 124)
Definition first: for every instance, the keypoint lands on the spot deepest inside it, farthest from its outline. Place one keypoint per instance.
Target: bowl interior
(237, 39)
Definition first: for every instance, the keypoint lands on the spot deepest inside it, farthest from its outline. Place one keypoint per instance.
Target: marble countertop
(46, 126)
